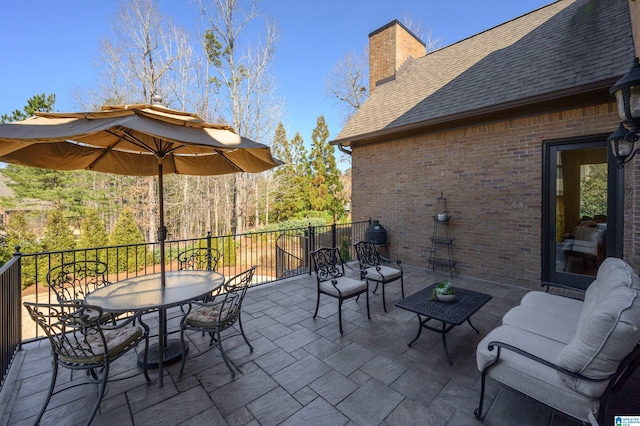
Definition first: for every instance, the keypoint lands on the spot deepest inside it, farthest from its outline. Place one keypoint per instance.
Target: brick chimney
(389, 47)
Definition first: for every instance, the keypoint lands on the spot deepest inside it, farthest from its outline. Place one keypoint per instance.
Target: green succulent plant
(443, 288)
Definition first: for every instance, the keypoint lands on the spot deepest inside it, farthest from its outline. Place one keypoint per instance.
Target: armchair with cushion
(218, 315)
(79, 341)
(370, 262)
(567, 353)
(329, 271)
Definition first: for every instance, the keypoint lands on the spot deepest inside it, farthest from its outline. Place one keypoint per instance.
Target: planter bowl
(446, 297)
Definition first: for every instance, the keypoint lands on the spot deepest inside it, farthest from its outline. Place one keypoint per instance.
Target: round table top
(146, 292)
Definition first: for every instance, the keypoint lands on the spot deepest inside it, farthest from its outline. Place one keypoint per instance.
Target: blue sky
(51, 46)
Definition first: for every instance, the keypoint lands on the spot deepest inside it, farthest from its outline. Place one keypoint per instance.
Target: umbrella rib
(228, 160)
(130, 138)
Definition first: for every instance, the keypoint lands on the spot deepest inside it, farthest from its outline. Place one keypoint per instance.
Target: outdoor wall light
(627, 93)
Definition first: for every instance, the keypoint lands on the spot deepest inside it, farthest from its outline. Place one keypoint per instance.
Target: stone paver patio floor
(303, 372)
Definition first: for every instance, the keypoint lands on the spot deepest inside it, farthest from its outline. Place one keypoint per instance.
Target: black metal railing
(11, 317)
(277, 254)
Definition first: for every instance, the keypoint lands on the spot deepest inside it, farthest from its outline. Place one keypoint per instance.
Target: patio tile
(501, 412)
(349, 359)
(333, 387)
(275, 360)
(317, 413)
(420, 387)
(370, 404)
(300, 374)
(383, 369)
(297, 339)
(305, 395)
(190, 403)
(411, 413)
(241, 391)
(274, 407)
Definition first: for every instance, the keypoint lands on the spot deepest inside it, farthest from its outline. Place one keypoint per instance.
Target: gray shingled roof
(567, 44)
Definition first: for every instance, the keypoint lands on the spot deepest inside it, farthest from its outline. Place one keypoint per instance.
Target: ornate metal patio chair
(370, 261)
(200, 259)
(73, 281)
(79, 341)
(329, 271)
(218, 315)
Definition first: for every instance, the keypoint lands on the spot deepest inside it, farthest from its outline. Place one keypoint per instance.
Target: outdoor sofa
(567, 353)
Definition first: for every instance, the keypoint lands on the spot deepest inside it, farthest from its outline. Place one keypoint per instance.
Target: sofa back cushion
(608, 328)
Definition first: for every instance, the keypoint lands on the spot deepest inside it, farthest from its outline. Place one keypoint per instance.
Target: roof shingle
(567, 44)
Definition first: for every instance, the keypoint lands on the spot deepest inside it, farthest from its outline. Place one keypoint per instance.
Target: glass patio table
(145, 293)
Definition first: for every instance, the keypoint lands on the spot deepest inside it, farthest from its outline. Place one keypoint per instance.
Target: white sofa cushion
(608, 328)
(559, 326)
(553, 303)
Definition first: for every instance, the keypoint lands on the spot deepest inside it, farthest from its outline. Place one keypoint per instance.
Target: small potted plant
(444, 292)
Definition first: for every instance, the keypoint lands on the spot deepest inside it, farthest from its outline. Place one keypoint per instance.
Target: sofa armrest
(500, 345)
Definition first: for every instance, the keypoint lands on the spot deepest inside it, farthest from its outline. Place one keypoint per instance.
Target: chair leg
(368, 313)
(242, 331)
(478, 411)
(340, 313)
(102, 391)
(184, 352)
(54, 376)
(224, 356)
(317, 305)
(402, 285)
(384, 300)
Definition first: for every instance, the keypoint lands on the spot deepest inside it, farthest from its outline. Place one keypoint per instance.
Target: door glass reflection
(581, 210)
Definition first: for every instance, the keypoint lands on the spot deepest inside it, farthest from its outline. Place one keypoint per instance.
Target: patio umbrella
(137, 140)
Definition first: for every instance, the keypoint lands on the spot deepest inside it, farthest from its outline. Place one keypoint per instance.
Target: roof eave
(575, 97)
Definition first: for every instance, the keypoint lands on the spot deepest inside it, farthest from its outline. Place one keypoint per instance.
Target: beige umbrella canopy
(137, 140)
(131, 140)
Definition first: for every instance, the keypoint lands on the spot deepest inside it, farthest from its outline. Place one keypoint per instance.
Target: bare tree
(347, 82)
(146, 54)
(348, 79)
(240, 73)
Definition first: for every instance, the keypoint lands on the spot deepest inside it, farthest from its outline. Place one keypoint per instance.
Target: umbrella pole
(162, 314)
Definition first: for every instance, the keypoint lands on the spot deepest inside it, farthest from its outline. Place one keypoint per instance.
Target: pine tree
(19, 234)
(291, 199)
(126, 232)
(93, 233)
(57, 233)
(42, 103)
(326, 188)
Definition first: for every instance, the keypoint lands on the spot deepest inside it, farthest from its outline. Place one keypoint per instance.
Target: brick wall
(492, 178)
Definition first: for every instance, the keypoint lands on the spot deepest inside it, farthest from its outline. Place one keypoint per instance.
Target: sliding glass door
(582, 209)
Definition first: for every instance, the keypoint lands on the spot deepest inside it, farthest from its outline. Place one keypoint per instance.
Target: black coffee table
(451, 314)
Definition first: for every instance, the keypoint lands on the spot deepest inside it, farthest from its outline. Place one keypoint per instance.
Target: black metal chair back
(199, 259)
(327, 263)
(73, 281)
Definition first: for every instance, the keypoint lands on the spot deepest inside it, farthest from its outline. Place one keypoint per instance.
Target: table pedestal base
(172, 353)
